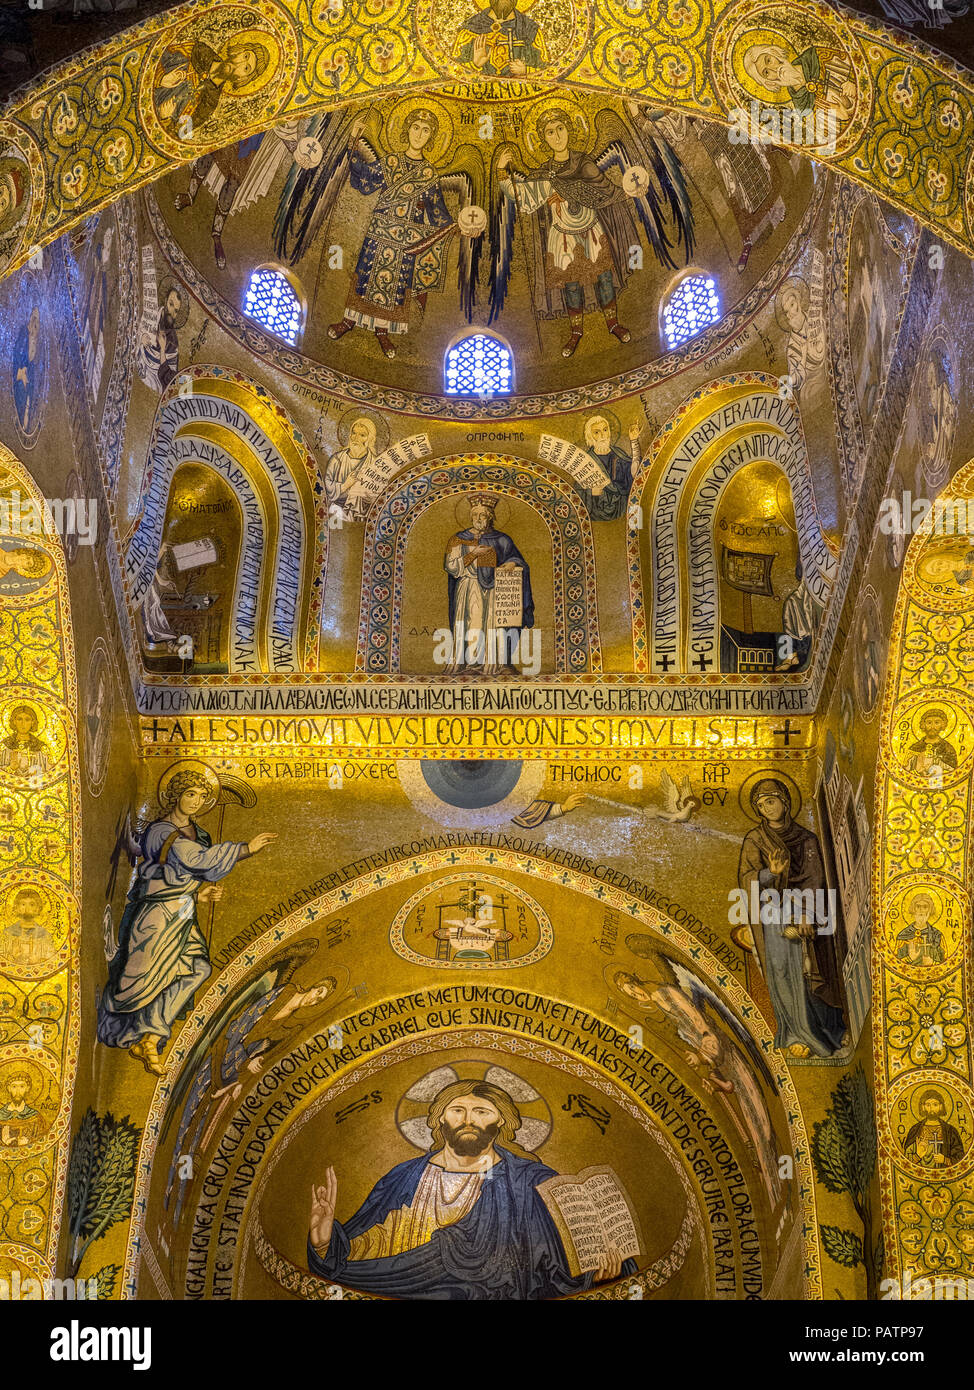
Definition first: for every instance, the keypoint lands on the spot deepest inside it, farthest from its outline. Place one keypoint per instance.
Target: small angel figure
(718, 1046)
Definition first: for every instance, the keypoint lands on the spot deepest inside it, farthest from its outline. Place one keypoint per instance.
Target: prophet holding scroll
(473, 558)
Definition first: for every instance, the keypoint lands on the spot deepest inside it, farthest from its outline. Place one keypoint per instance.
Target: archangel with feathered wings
(580, 214)
(404, 254)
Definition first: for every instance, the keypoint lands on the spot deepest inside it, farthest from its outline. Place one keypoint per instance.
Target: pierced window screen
(479, 366)
(270, 299)
(690, 308)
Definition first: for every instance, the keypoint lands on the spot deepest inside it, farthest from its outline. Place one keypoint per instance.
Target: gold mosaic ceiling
(735, 211)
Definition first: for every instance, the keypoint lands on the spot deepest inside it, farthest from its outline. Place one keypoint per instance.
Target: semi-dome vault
(485, 592)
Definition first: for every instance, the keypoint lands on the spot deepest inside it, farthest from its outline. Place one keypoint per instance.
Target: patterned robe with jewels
(404, 250)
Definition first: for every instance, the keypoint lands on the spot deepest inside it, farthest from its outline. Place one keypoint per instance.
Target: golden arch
(709, 429)
(578, 645)
(924, 805)
(39, 941)
(141, 1263)
(210, 406)
(897, 115)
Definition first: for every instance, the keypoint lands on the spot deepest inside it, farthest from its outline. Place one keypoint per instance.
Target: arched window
(272, 300)
(479, 365)
(691, 307)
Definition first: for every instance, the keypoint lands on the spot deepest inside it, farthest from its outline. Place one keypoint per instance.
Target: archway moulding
(886, 111)
(502, 861)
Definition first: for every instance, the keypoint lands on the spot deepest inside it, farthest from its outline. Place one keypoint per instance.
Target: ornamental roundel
(771, 62)
(224, 70)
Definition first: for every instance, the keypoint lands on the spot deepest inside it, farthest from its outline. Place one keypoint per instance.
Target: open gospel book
(593, 1214)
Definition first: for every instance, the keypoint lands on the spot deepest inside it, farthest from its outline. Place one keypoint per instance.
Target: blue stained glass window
(271, 300)
(690, 308)
(479, 365)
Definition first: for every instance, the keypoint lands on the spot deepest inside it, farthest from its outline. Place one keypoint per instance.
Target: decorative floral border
(48, 1160)
(928, 1218)
(89, 129)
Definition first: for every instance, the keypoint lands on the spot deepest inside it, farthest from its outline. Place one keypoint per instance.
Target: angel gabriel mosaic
(436, 1000)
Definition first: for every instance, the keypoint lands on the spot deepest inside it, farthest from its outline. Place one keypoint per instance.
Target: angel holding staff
(162, 957)
(403, 255)
(581, 214)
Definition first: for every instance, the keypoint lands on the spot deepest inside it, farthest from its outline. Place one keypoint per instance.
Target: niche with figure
(767, 617)
(187, 616)
(478, 590)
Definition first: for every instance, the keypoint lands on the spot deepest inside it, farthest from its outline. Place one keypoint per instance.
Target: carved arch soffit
(110, 121)
(40, 793)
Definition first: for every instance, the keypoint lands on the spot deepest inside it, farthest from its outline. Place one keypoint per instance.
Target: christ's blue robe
(506, 1247)
(505, 550)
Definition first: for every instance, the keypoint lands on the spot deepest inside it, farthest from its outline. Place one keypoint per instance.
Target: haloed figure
(501, 41)
(195, 78)
(920, 942)
(932, 754)
(463, 1221)
(23, 753)
(800, 618)
(20, 1123)
(799, 961)
(581, 232)
(814, 79)
(25, 941)
(609, 503)
(932, 1142)
(404, 253)
(473, 557)
(25, 366)
(162, 956)
(346, 467)
(157, 356)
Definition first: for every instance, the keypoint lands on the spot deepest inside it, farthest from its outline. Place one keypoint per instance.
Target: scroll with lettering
(376, 474)
(508, 604)
(150, 298)
(583, 467)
